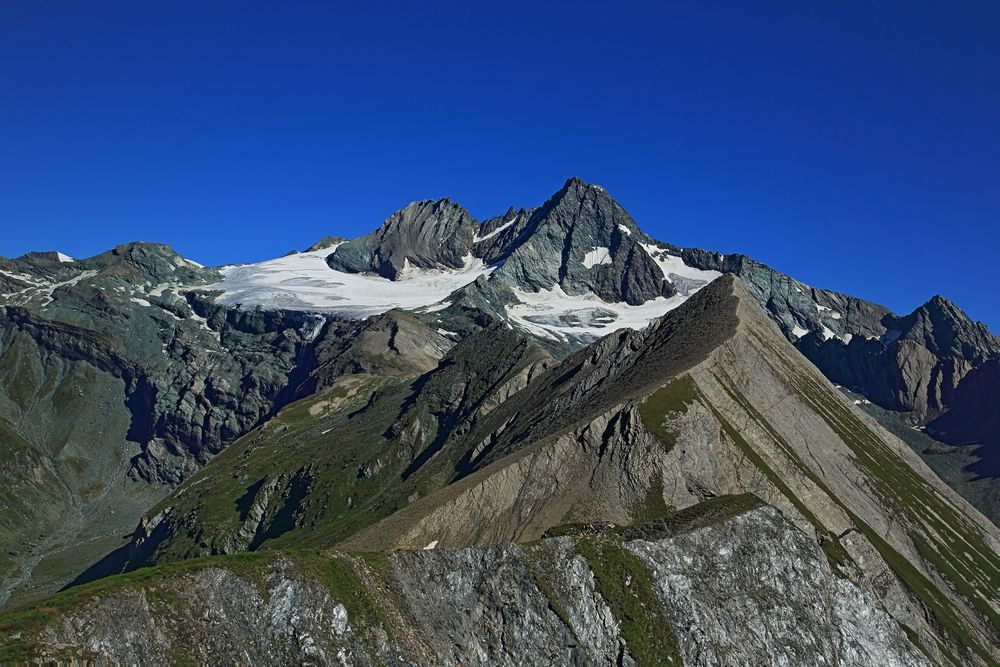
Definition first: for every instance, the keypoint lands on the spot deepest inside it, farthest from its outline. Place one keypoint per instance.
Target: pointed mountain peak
(582, 241)
(575, 188)
(425, 234)
(940, 305)
(946, 330)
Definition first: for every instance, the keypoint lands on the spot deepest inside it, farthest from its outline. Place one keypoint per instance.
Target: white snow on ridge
(599, 255)
(496, 231)
(833, 314)
(556, 315)
(799, 332)
(304, 281)
(673, 266)
(625, 230)
(63, 258)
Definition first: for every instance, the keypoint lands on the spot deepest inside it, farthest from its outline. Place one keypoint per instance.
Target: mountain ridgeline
(545, 437)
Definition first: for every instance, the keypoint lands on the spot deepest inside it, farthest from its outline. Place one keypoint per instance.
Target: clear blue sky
(854, 145)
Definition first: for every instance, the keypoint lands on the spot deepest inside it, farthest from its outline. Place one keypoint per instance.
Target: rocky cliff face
(741, 586)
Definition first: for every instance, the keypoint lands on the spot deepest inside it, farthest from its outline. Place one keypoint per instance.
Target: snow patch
(445, 332)
(141, 302)
(599, 255)
(435, 307)
(477, 238)
(65, 259)
(799, 332)
(827, 334)
(432, 545)
(555, 315)
(304, 281)
(686, 279)
(204, 325)
(824, 309)
(625, 230)
(311, 334)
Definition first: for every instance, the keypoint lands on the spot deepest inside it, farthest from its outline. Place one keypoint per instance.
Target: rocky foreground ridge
(726, 582)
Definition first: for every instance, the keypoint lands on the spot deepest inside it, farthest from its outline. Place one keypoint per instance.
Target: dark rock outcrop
(425, 234)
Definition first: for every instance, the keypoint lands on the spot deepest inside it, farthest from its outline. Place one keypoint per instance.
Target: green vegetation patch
(336, 571)
(672, 398)
(706, 513)
(627, 587)
(652, 507)
(544, 571)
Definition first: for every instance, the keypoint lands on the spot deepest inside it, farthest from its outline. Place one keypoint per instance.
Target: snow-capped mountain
(578, 267)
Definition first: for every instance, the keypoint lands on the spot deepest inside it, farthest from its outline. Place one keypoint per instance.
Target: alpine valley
(545, 438)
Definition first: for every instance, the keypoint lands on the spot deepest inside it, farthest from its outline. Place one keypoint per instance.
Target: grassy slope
(945, 539)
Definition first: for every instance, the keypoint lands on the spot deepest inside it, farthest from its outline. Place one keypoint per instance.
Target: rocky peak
(47, 256)
(325, 242)
(425, 234)
(582, 241)
(945, 330)
(139, 261)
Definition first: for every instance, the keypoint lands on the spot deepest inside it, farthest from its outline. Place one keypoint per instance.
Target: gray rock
(425, 234)
(748, 590)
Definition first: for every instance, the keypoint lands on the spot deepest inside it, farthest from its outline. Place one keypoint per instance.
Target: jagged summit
(945, 329)
(584, 242)
(571, 270)
(425, 235)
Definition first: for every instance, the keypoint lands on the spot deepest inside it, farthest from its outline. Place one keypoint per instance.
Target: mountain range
(545, 437)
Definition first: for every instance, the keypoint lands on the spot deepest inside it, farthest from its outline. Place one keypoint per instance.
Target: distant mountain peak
(946, 330)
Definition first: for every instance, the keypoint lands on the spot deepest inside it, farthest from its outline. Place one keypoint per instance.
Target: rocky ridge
(741, 586)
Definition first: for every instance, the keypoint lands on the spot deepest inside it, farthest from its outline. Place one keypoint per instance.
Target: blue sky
(854, 145)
